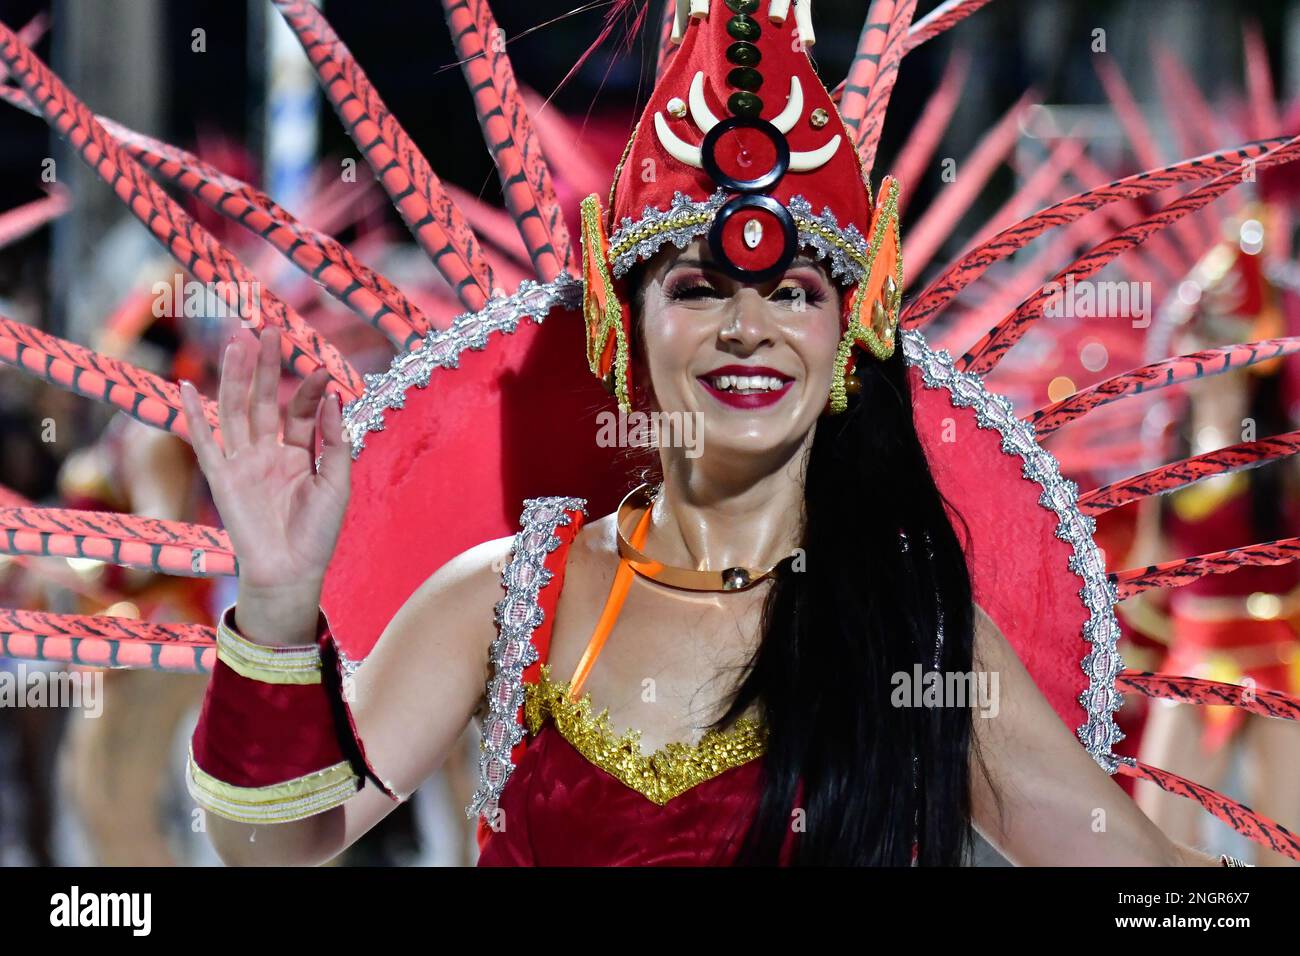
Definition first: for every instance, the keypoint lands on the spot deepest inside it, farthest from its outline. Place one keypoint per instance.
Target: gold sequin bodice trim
(668, 772)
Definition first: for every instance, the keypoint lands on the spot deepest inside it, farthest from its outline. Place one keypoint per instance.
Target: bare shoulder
(466, 588)
(476, 570)
(449, 616)
(984, 623)
(418, 688)
(416, 692)
(990, 645)
(592, 556)
(460, 596)
(598, 537)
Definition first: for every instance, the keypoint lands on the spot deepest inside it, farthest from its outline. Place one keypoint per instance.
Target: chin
(739, 436)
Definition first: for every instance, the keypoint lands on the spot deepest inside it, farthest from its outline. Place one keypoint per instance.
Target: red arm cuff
(268, 748)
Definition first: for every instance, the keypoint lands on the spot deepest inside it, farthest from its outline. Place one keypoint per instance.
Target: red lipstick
(756, 399)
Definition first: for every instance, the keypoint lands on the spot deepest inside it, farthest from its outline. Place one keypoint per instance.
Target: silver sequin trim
(844, 265)
(517, 615)
(346, 664)
(813, 229)
(1102, 662)
(471, 330)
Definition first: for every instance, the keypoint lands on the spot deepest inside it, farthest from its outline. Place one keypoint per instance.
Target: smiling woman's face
(756, 360)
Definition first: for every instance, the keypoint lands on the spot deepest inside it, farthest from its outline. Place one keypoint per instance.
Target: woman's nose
(747, 322)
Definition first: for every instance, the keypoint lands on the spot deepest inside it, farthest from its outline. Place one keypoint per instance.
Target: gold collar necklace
(728, 579)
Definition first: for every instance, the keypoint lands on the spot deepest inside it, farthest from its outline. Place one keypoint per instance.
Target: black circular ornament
(745, 104)
(789, 232)
(744, 54)
(708, 155)
(745, 78)
(744, 28)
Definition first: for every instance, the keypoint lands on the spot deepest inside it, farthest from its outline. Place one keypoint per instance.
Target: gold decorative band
(653, 229)
(814, 227)
(260, 662)
(685, 219)
(278, 803)
(690, 579)
(659, 777)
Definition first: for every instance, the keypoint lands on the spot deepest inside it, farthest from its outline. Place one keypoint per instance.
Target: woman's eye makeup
(692, 288)
(687, 287)
(809, 293)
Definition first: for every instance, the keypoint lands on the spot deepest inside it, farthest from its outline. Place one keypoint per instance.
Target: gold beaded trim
(857, 331)
(810, 226)
(603, 316)
(618, 170)
(284, 802)
(648, 230)
(806, 227)
(668, 772)
(298, 664)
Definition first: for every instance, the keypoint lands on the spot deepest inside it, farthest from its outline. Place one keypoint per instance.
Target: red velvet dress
(560, 809)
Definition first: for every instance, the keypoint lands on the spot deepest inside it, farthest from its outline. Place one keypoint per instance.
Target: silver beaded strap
(518, 614)
(442, 349)
(1102, 663)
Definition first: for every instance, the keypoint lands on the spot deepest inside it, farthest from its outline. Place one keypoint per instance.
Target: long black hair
(883, 571)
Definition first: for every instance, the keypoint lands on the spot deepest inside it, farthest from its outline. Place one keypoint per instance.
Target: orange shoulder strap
(613, 604)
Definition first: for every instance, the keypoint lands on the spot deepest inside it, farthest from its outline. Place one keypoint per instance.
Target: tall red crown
(742, 144)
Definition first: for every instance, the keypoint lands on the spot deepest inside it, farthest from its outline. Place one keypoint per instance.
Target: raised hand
(283, 516)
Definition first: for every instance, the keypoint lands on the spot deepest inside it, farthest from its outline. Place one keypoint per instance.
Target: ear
(608, 318)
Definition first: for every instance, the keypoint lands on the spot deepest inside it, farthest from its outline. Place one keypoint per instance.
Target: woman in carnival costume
(841, 631)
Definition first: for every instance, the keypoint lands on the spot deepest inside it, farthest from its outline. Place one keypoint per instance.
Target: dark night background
(405, 48)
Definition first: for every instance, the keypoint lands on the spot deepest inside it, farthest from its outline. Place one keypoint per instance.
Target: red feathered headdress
(742, 144)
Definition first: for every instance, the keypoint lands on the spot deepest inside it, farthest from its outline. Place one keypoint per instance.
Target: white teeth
(747, 383)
